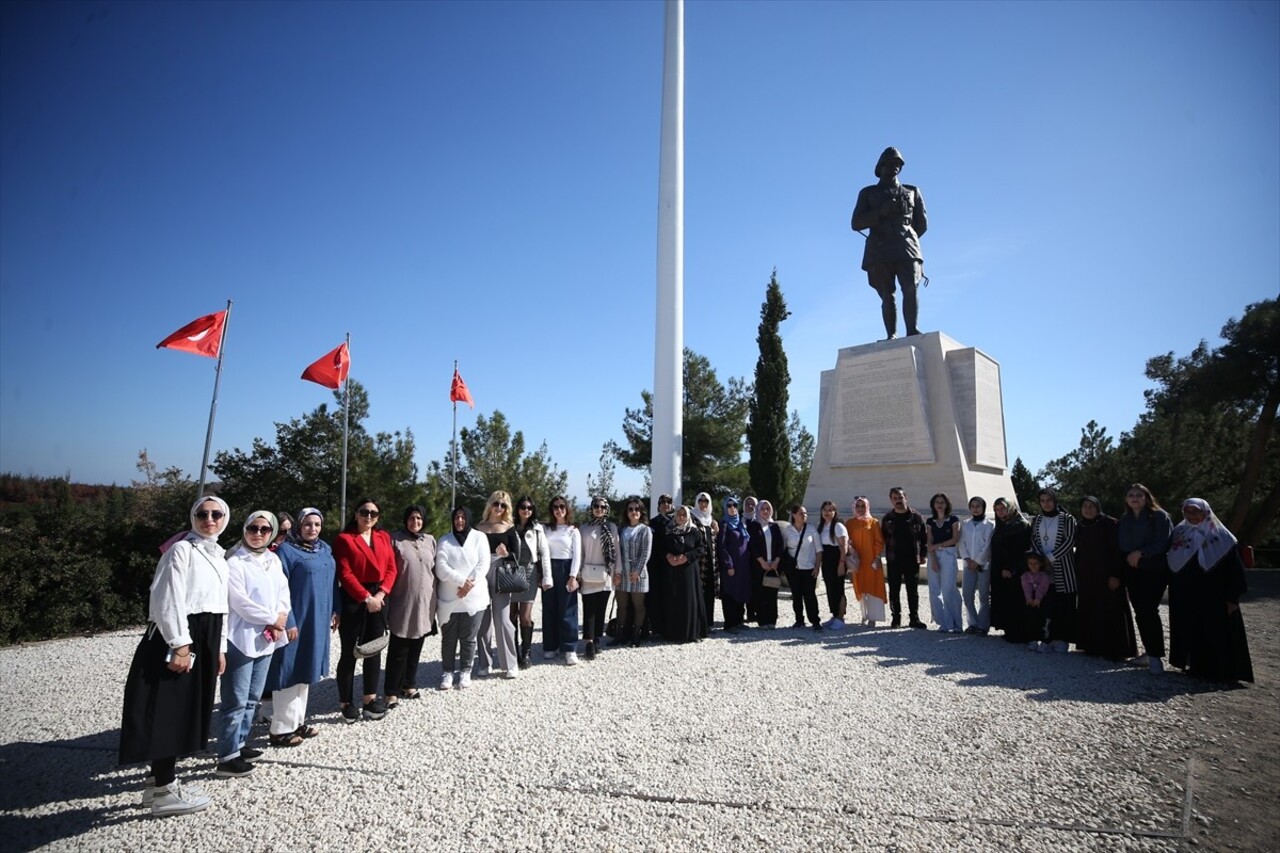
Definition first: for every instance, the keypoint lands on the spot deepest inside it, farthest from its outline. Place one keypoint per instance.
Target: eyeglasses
(260, 529)
(368, 513)
(499, 504)
(206, 514)
(525, 508)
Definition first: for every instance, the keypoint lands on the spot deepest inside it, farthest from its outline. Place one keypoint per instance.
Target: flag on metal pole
(331, 370)
(204, 336)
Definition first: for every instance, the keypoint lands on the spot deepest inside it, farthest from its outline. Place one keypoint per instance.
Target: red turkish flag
(458, 392)
(202, 336)
(331, 369)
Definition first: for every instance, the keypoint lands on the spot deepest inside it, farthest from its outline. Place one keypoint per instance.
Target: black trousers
(350, 630)
(764, 598)
(403, 655)
(593, 610)
(1062, 616)
(804, 594)
(1146, 585)
(908, 574)
(833, 580)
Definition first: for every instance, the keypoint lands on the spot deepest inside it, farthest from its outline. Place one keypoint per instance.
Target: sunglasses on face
(664, 503)
(260, 529)
(368, 513)
(600, 506)
(559, 508)
(525, 508)
(499, 504)
(206, 514)
(634, 509)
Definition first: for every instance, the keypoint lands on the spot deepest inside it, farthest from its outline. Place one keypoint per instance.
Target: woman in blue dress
(308, 564)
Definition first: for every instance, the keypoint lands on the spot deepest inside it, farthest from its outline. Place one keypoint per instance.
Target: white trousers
(289, 708)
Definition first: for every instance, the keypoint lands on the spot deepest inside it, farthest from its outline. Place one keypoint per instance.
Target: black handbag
(511, 577)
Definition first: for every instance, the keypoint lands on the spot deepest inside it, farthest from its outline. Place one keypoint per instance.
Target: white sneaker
(549, 655)
(570, 658)
(464, 680)
(509, 673)
(173, 799)
(1157, 666)
(446, 681)
(149, 791)
(836, 624)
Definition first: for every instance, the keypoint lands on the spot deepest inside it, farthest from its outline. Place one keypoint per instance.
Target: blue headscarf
(733, 522)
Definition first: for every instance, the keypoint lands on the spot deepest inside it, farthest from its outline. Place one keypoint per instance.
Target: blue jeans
(977, 584)
(242, 684)
(559, 611)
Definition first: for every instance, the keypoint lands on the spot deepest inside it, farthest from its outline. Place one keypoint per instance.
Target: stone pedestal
(923, 412)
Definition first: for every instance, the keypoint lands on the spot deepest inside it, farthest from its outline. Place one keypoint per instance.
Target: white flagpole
(213, 404)
(668, 364)
(346, 423)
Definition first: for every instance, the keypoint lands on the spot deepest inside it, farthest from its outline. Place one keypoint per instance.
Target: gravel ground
(870, 739)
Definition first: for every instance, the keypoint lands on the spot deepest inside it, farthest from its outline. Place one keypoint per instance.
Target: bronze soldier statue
(895, 214)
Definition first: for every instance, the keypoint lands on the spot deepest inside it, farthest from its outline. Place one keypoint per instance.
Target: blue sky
(478, 181)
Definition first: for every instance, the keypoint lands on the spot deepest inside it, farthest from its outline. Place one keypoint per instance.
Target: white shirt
(803, 544)
(565, 543)
(975, 540)
(190, 578)
(257, 592)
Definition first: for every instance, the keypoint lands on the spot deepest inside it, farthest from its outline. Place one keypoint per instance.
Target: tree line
(78, 558)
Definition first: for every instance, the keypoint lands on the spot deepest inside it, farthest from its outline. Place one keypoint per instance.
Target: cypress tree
(770, 465)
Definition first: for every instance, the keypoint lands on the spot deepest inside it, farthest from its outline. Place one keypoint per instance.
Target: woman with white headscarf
(1206, 629)
(707, 526)
(307, 561)
(168, 697)
(258, 595)
(682, 547)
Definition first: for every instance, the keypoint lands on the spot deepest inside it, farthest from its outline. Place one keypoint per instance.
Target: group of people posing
(259, 615)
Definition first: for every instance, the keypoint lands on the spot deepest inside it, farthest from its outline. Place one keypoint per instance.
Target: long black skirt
(167, 714)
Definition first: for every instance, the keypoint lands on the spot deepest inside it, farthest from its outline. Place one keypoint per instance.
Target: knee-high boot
(526, 640)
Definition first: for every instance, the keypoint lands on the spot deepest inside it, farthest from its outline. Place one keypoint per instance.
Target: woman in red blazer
(366, 571)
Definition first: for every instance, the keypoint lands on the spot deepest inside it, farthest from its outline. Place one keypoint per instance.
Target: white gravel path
(870, 739)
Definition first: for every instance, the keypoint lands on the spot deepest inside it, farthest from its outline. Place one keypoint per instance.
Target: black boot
(526, 640)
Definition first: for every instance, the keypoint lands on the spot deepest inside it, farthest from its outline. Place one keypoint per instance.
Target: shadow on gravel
(37, 774)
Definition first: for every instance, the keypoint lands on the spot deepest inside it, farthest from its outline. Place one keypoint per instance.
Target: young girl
(1036, 584)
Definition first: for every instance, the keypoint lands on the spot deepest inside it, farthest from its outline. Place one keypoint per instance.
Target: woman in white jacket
(462, 591)
(168, 697)
(975, 562)
(258, 599)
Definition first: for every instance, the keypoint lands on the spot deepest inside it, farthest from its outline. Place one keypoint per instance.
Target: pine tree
(771, 467)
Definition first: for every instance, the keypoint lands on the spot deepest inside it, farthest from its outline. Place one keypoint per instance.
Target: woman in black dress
(1206, 629)
(686, 617)
(1104, 625)
(1009, 544)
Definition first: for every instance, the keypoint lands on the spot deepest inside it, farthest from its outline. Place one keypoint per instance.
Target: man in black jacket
(904, 550)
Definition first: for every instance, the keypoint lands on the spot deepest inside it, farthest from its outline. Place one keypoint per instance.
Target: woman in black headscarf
(1010, 542)
(1104, 624)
